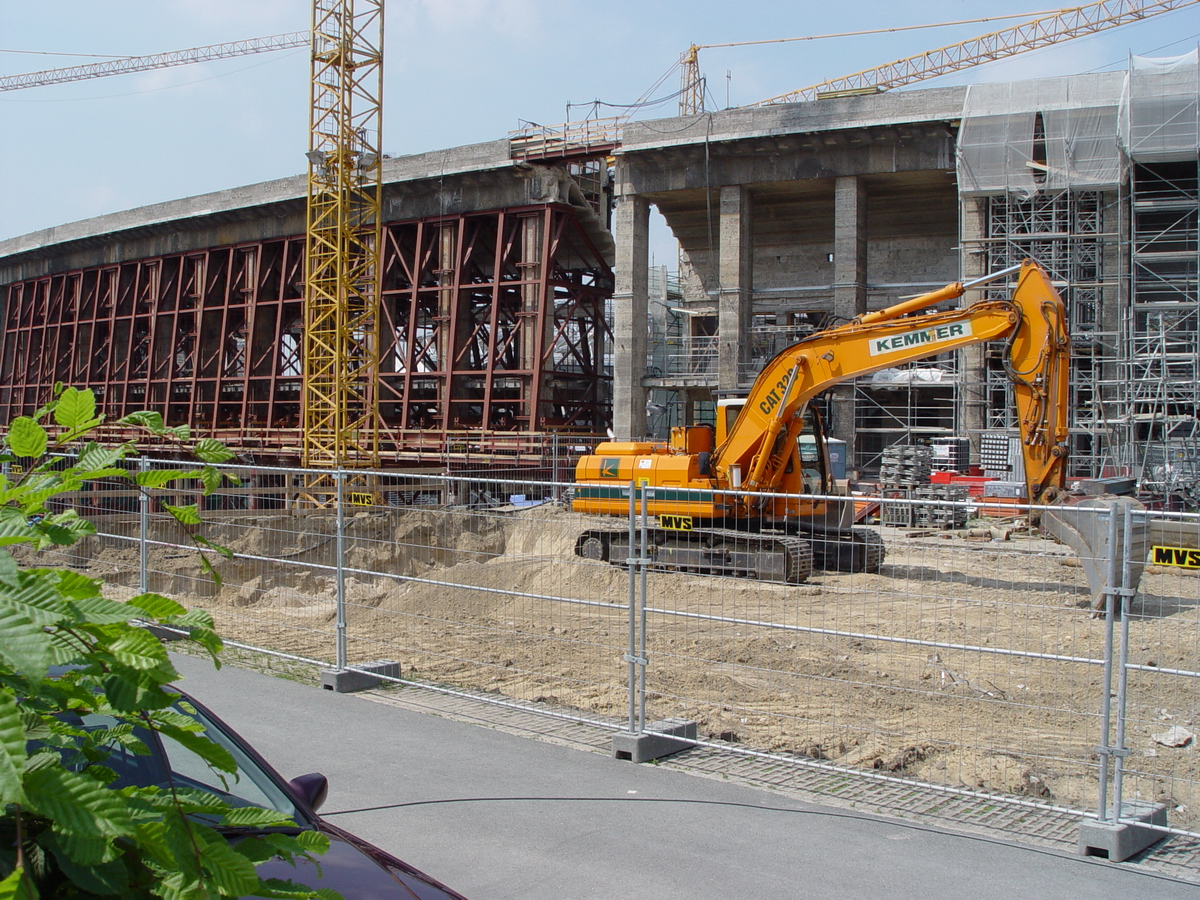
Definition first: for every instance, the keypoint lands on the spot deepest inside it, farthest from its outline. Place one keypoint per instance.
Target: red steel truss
(492, 334)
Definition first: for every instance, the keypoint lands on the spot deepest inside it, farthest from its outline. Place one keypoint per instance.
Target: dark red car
(353, 867)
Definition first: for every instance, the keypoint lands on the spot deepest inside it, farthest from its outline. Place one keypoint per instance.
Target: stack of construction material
(895, 512)
(905, 468)
(1000, 456)
(941, 515)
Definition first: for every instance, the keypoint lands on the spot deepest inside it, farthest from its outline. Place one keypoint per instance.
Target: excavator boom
(1033, 323)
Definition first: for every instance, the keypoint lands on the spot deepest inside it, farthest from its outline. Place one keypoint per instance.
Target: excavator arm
(1037, 356)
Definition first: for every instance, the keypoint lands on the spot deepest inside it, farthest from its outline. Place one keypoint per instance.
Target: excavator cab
(807, 471)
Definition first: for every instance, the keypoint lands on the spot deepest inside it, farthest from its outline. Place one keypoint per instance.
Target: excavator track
(851, 550)
(783, 559)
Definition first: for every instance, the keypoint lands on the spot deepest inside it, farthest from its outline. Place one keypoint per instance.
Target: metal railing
(977, 659)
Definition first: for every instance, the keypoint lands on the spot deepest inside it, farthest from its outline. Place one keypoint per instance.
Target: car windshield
(172, 764)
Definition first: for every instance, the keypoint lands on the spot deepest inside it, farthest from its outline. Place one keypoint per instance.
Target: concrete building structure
(495, 276)
(795, 217)
(789, 218)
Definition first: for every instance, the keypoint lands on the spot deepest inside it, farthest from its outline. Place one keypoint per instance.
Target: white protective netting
(997, 151)
(1161, 121)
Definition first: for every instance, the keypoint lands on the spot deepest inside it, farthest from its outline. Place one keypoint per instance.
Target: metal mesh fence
(973, 658)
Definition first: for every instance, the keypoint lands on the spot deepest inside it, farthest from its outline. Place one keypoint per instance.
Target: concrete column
(972, 362)
(735, 277)
(632, 235)
(849, 288)
(533, 339)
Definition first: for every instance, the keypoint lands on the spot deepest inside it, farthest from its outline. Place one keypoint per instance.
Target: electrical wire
(842, 34)
(640, 104)
(52, 53)
(733, 804)
(1125, 61)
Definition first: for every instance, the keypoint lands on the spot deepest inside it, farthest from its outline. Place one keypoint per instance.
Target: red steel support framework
(492, 334)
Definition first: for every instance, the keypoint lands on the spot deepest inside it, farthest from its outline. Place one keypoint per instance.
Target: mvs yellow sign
(1183, 557)
(675, 523)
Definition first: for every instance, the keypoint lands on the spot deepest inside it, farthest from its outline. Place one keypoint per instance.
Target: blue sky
(457, 72)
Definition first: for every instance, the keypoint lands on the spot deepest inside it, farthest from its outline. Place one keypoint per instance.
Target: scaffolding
(1162, 367)
(1043, 159)
(1075, 235)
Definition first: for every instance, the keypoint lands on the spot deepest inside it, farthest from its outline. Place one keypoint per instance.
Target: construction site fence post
(642, 660)
(1120, 751)
(143, 531)
(631, 649)
(340, 482)
(1103, 748)
(556, 489)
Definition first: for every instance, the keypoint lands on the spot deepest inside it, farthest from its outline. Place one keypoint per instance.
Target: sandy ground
(871, 671)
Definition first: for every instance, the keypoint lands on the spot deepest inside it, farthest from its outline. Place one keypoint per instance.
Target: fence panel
(1163, 669)
(964, 661)
(973, 659)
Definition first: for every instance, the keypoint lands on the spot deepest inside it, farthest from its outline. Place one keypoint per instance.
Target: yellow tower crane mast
(342, 277)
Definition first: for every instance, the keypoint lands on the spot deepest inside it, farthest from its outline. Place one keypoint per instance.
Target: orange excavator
(752, 496)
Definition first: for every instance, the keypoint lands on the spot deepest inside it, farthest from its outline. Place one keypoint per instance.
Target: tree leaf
(10, 574)
(139, 649)
(12, 750)
(102, 611)
(212, 451)
(96, 458)
(213, 545)
(75, 802)
(312, 841)
(36, 596)
(106, 879)
(17, 887)
(26, 645)
(75, 408)
(64, 648)
(211, 479)
(15, 527)
(134, 691)
(157, 478)
(204, 747)
(26, 437)
(156, 606)
(209, 640)
(185, 515)
(210, 571)
(232, 873)
(151, 421)
(255, 817)
(70, 524)
(72, 585)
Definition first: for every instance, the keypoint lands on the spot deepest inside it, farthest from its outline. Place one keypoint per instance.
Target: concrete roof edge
(261, 194)
(838, 114)
(898, 107)
(419, 166)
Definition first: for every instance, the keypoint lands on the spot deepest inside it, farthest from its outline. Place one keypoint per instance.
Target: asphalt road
(500, 817)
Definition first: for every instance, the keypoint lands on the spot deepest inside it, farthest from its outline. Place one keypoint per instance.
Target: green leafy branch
(70, 656)
(23, 499)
